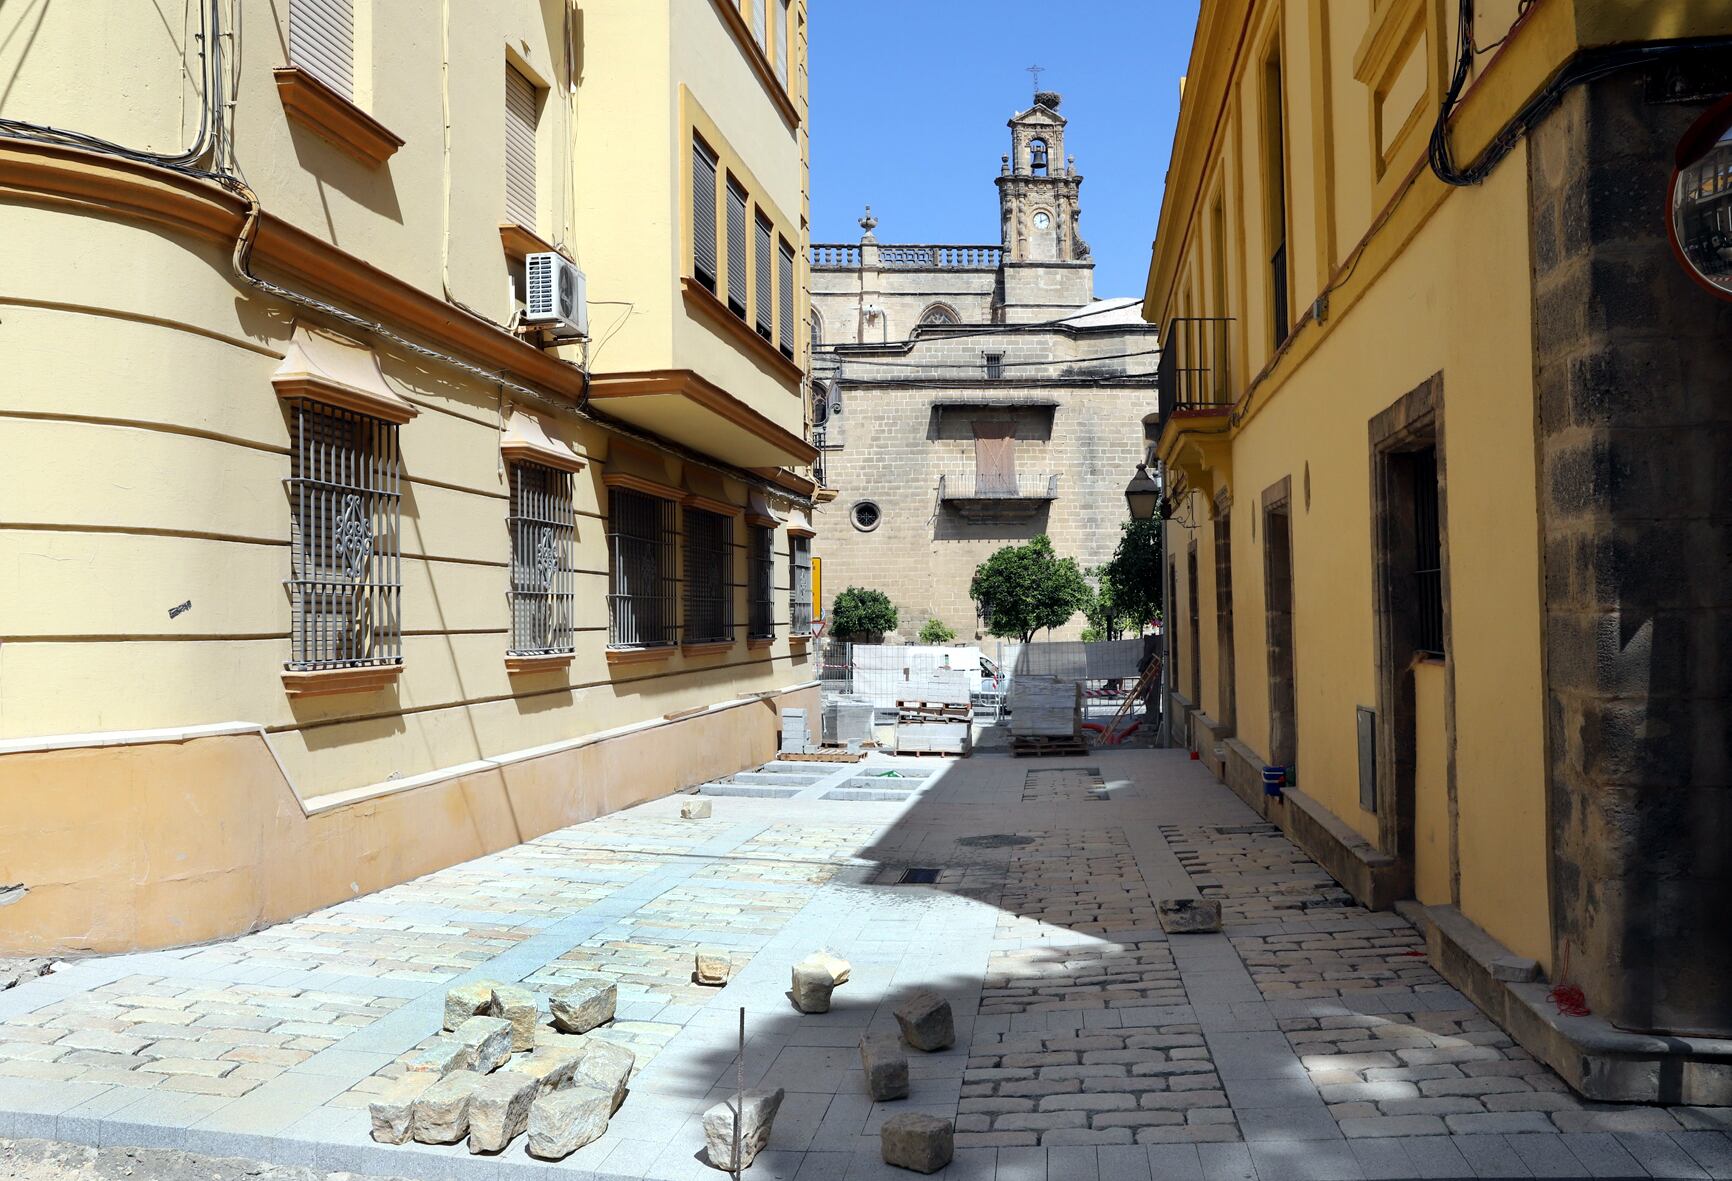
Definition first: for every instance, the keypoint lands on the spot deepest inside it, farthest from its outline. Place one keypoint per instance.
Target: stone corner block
(712, 968)
(466, 1001)
(518, 1006)
(1189, 916)
(489, 1038)
(757, 1112)
(584, 1004)
(926, 1022)
(499, 1110)
(562, 1122)
(885, 1067)
(441, 1114)
(695, 808)
(921, 1143)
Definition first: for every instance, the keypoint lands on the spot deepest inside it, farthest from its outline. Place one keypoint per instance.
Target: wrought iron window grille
(761, 625)
(345, 530)
(641, 606)
(709, 586)
(543, 591)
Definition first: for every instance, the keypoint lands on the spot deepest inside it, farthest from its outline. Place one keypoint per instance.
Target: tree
(936, 631)
(862, 614)
(1132, 579)
(1023, 588)
(1108, 619)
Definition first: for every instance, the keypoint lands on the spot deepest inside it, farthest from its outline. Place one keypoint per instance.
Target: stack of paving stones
(497, 1072)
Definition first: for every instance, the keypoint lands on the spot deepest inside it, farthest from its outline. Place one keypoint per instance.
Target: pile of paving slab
(495, 1072)
(922, 1143)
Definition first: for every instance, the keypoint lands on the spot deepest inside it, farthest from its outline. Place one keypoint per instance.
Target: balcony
(839, 256)
(983, 496)
(1193, 376)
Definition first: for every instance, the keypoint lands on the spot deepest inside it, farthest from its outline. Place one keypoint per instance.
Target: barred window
(709, 584)
(345, 556)
(703, 214)
(543, 578)
(640, 601)
(994, 366)
(800, 586)
(785, 299)
(737, 277)
(762, 588)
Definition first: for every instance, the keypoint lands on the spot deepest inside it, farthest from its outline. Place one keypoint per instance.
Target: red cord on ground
(1570, 1000)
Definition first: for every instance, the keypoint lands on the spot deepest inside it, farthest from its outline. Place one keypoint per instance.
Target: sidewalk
(1310, 1040)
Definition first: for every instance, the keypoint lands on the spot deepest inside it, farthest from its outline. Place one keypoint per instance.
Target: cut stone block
(695, 809)
(499, 1110)
(517, 1005)
(923, 1143)
(885, 1065)
(832, 963)
(442, 1112)
(564, 1121)
(926, 1022)
(606, 1067)
(445, 1055)
(489, 1038)
(1189, 916)
(1517, 968)
(393, 1111)
(713, 968)
(812, 987)
(584, 1004)
(466, 1001)
(551, 1068)
(756, 1112)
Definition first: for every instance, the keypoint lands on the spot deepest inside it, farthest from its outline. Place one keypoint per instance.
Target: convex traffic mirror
(1701, 200)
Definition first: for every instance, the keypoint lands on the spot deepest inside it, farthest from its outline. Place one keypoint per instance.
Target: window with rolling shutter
(785, 299)
(703, 214)
(765, 246)
(322, 42)
(737, 278)
(782, 40)
(760, 9)
(520, 188)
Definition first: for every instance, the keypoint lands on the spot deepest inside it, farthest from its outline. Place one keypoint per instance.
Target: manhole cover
(998, 840)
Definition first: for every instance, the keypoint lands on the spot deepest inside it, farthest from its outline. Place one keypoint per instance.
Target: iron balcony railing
(922, 256)
(998, 486)
(1194, 373)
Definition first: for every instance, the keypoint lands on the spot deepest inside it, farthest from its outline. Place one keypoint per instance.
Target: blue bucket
(1274, 778)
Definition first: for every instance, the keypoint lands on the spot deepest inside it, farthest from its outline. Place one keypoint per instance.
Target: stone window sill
(709, 648)
(540, 662)
(332, 117)
(327, 681)
(639, 655)
(760, 641)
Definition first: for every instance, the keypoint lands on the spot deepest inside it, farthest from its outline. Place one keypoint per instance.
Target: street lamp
(1142, 494)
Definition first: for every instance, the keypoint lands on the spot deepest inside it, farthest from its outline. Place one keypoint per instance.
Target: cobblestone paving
(1309, 1040)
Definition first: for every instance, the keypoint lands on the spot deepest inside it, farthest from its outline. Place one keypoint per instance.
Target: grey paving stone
(1123, 1162)
(1435, 1156)
(1173, 1162)
(823, 1166)
(1657, 1153)
(1383, 1160)
(1602, 1156)
(1490, 1156)
(1226, 1162)
(1303, 1122)
(1021, 1164)
(1711, 1150)
(1078, 1163)
(1291, 1091)
(970, 1164)
(1325, 1160)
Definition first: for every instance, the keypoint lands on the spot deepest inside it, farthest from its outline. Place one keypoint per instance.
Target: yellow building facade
(327, 556)
(1416, 454)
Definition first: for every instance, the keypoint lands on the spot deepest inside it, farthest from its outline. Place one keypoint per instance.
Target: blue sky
(909, 102)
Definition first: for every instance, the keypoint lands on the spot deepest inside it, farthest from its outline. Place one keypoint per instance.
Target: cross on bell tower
(1038, 186)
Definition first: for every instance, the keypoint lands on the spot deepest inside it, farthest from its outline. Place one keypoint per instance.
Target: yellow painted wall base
(131, 848)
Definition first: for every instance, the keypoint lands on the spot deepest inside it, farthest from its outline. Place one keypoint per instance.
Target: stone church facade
(970, 397)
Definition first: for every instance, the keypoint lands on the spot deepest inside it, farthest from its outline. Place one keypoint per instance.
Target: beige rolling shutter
(765, 246)
(520, 202)
(703, 215)
(737, 249)
(322, 42)
(785, 300)
(782, 40)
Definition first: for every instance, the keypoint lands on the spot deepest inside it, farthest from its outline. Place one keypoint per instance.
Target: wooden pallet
(829, 756)
(1058, 744)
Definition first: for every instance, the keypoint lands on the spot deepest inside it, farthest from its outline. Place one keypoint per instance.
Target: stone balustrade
(954, 257)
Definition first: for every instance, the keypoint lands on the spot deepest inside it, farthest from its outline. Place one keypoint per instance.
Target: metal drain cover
(918, 875)
(998, 840)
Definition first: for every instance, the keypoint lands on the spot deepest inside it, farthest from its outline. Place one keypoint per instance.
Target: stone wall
(903, 296)
(1633, 365)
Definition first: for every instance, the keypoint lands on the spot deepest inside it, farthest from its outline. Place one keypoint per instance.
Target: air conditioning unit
(554, 296)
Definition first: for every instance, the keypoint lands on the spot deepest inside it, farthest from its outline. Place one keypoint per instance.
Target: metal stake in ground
(739, 1092)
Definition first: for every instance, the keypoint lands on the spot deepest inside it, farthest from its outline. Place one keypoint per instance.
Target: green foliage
(1021, 589)
(936, 631)
(1107, 619)
(1131, 582)
(862, 614)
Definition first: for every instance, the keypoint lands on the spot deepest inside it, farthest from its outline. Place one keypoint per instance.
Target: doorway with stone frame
(1278, 623)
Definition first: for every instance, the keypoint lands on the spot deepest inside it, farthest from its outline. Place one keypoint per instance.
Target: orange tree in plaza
(1021, 589)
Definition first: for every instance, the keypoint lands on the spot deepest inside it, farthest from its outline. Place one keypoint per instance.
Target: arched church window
(817, 329)
(939, 314)
(1037, 156)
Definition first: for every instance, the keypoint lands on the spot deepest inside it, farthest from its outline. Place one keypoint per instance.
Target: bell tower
(1037, 189)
